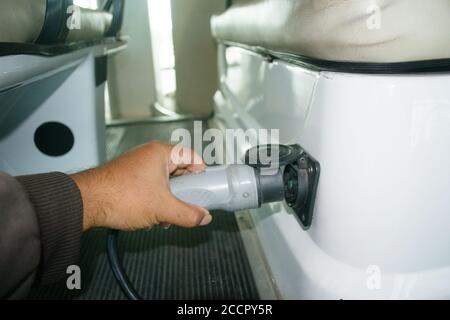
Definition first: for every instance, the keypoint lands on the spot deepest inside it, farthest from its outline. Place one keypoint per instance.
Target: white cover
(21, 21)
(94, 25)
(352, 30)
(381, 220)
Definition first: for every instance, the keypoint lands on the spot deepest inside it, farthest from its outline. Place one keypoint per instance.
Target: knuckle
(155, 144)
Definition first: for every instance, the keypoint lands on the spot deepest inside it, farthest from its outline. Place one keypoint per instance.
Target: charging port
(301, 180)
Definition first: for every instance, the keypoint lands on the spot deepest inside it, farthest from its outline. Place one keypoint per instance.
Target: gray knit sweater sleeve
(41, 219)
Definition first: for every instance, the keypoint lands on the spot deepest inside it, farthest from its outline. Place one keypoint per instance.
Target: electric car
(363, 87)
(354, 97)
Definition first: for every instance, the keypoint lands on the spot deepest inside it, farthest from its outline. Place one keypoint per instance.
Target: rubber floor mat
(206, 263)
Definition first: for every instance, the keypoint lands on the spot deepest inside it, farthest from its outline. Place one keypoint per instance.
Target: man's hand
(133, 192)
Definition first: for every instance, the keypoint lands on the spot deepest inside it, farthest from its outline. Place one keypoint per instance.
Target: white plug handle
(229, 188)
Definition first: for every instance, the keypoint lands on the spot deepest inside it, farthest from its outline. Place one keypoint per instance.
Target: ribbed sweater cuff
(59, 207)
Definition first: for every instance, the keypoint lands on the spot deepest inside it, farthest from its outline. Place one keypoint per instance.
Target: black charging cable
(117, 267)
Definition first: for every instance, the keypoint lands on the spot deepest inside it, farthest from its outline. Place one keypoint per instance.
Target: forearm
(97, 192)
(40, 230)
(57, 203)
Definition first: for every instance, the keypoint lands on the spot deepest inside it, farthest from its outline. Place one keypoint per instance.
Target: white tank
(382, 216)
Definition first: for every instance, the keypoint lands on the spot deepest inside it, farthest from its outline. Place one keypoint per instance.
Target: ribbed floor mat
(207, 263)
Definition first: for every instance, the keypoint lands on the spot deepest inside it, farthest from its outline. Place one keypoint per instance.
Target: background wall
(131, 72)
(195, 54)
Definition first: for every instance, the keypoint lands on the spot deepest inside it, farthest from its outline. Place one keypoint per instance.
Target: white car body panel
(382, 218)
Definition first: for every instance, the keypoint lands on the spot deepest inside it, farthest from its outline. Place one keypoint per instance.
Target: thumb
(185, 215)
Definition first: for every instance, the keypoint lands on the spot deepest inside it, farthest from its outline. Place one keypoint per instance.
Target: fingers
(165, 225)
(182, 172)
(185, 215)
(183, 160)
